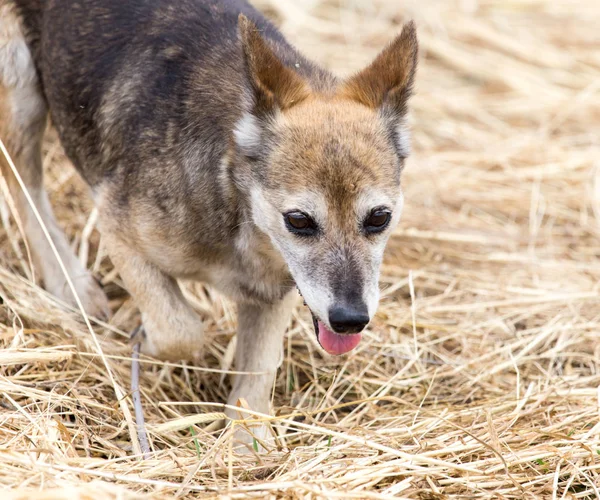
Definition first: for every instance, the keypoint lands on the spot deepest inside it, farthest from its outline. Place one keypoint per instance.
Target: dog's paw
(253, 437)
(181, 341)
(93, 298)
(251, 434)
(88, 290)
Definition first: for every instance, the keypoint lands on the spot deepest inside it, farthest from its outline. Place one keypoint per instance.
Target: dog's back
(138, 74)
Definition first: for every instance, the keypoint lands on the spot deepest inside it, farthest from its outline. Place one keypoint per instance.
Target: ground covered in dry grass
(480, 376)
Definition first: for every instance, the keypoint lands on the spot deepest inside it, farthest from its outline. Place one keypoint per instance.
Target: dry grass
(480, 376)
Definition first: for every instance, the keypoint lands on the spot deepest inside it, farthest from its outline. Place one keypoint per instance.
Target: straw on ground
(480, 375)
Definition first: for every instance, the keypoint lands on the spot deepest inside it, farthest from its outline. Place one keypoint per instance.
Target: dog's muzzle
(348, 326)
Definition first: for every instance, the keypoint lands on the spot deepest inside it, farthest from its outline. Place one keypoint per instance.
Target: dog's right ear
(272, 85)
(386, 84)
(388, 80)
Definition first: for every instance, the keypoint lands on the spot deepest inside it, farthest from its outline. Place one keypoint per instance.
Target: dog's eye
(377, 221)
(300, 223)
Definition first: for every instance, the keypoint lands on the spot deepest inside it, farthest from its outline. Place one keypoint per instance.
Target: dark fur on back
(152, 63)
(144, 95)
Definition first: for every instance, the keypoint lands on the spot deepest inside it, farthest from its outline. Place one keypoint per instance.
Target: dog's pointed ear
(274, 85)
(387, 82)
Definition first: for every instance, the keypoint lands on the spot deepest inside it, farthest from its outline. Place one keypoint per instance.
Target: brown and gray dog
(215, 152)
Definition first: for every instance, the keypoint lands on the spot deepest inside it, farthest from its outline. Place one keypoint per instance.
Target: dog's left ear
(275, 86)
(386, 84)
(272, 85)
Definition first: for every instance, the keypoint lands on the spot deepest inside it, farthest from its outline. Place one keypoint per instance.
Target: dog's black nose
(345, 319)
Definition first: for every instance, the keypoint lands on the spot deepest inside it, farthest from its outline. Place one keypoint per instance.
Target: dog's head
(323, 173)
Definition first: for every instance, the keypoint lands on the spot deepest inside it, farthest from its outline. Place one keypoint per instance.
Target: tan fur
(16, 66)
(259, 350)
(277, 85)
(173, 330)
(334, 141)
(389, 75)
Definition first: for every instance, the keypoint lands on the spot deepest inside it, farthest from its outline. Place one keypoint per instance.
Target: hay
(480, 375)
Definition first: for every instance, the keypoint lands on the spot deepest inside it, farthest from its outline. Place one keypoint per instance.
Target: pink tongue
(335, 343)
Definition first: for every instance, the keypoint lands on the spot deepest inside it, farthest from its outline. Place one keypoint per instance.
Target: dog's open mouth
(335, 343)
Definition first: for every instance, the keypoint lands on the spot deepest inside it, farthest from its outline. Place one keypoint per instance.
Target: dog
(214, 151)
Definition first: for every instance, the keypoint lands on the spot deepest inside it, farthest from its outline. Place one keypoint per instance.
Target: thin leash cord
(136, 396)
(118, 391)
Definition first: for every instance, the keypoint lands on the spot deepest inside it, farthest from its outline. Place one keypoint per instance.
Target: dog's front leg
(259, 351)
(173, 331)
